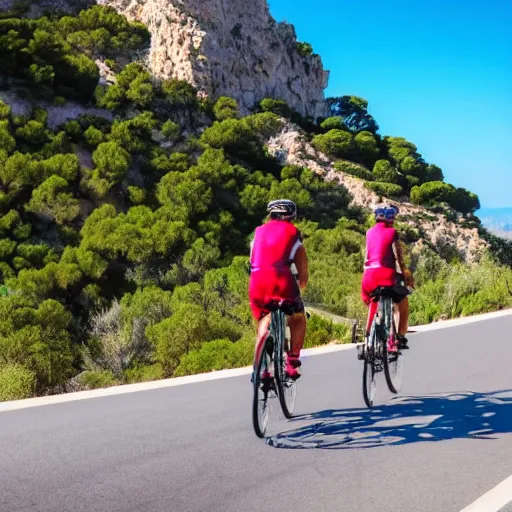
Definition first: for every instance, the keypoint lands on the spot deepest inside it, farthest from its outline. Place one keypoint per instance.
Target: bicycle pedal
(267, 386)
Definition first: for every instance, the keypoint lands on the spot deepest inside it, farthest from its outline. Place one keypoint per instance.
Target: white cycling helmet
(283, 209)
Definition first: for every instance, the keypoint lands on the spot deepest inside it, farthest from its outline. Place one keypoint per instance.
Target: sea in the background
(497, 220)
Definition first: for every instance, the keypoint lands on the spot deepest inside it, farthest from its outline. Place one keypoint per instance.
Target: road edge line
(493, 500)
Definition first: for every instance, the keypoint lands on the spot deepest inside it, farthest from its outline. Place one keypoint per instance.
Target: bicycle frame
(277, 331)
(383, 322)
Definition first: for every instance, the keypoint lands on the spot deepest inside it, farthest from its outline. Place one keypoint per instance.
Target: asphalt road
(443, 443)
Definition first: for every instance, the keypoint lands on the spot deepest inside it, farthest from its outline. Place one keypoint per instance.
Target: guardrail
(322, 310)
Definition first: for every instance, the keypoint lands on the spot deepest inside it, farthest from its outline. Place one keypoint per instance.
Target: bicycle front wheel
(286, 387)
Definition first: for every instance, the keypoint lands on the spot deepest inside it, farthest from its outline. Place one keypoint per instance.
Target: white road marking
(462, 321)
(222, 374)
(493, 500)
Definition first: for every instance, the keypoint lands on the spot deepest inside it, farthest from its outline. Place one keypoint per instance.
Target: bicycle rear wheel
(286, 387)
(369, 371)
(263, 387)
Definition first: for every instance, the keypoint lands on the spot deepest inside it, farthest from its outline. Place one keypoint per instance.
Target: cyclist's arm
(397, 251)
(399, 255)
(301, 262)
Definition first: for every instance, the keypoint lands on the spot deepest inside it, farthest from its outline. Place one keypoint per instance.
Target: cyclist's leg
(372, 311)
(403, 321)
(297, 324)
(262, 317)
(263, 326)
(260, 313)
(403, 316)
(369, 282)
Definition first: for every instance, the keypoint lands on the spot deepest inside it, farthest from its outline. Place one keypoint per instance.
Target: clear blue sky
(437, 72)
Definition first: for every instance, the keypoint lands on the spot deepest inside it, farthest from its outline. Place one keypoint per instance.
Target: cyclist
(384, 266)
(277, 245)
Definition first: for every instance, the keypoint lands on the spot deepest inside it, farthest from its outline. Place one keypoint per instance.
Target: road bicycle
(269, 376)
(380, 349)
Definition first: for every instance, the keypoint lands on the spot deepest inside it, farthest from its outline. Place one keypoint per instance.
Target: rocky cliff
(230, 47)
(291, 147)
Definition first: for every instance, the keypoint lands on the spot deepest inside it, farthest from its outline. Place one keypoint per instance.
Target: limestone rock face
(291, 147)
(230, 47)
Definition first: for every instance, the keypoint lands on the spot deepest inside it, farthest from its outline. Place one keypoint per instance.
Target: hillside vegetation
(124, 237)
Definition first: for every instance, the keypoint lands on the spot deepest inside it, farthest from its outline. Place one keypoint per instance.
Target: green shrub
(304, 49)
(59, 101)
(277, 107)
(264, 125)
(171, 130)
(180, 93)
(16, 382)
(354, 170)
(33, 134)
(460, 290)
(5, 110)
(112, 162)
(321, 331)
(435, 192)
(142, 373)
(135, 134)
(79, 76)
(137, 195)
(141, 91)
(97, 379)
(50, 202)
(383, 171)
(412, 180)
(385, 189)
(7, 141)
(366, 147)
(93, 136)
(216, 355)
(333, 123)
(65, 166)
(73, 130)
(225, 108)
(39, 335)
(335, 143)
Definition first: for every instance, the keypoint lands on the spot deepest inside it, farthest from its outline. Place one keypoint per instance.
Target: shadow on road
(404, 420)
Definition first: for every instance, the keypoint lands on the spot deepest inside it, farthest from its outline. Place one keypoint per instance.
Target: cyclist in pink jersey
(384, 266)
(277, 245)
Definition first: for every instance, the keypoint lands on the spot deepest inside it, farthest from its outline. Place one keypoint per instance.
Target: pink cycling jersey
(275, 244)
(379, 246)
(272, 251)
